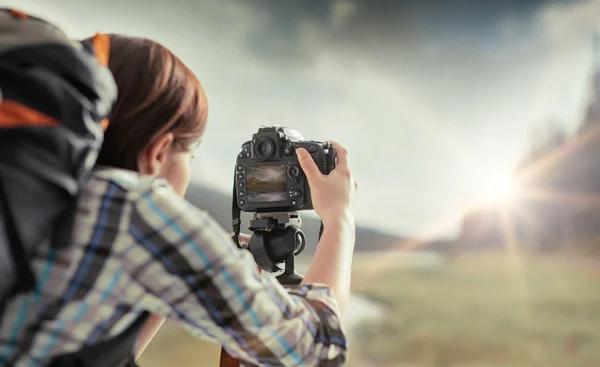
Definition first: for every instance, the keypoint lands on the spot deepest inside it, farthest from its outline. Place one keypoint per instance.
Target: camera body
(268, 177)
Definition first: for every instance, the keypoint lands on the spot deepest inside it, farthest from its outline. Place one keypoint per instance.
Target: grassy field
(485, 311)
(475, 311)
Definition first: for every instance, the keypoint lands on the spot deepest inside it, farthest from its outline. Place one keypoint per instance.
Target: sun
(496, 188)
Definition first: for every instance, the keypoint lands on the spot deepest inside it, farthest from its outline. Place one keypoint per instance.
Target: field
(485, 311)
(474, 311)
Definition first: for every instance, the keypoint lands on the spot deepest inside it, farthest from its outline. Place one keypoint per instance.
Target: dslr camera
(268, 177)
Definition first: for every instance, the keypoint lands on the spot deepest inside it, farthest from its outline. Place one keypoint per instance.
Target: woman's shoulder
(104, 180)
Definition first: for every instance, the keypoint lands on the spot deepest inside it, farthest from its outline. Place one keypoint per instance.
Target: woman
(138, 245)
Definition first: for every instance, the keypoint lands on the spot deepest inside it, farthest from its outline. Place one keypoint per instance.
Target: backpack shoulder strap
(15, 262)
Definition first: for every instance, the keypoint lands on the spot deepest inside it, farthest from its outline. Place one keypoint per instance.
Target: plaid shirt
(138, 245)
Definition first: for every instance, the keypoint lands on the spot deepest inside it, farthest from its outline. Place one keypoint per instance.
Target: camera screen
(266, 184)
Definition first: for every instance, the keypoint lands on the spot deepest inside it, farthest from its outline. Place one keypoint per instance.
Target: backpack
(55, 96)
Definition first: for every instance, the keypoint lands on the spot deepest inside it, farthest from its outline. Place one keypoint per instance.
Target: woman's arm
(148, 332)
(156, 321)
(332, 262)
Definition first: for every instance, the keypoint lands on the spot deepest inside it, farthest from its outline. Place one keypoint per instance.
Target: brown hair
(157, 94)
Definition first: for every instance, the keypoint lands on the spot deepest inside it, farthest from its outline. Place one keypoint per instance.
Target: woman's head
(160, 113)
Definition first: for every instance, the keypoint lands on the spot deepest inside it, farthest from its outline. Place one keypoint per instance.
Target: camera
(268, 177)
(270, 183)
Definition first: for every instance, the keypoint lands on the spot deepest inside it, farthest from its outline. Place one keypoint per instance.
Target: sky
(435, 100)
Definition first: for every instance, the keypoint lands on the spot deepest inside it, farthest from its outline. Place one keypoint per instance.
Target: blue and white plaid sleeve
(191, 271)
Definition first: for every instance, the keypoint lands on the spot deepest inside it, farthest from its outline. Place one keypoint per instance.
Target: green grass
(484, 311)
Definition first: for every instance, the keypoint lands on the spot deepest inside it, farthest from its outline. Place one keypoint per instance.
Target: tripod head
(276, 239)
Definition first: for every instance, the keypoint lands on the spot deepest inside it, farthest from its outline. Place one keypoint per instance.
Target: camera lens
(264, 148)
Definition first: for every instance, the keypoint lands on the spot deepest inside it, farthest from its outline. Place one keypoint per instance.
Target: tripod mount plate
(274, 221)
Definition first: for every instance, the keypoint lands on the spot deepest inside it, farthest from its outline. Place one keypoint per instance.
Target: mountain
(218, 205)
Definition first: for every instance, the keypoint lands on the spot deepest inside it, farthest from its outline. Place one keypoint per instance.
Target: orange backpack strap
(19, 14)
(14, 114)
(101, 45)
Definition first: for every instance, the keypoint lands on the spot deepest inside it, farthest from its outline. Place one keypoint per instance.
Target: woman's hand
(244, 239)
(332, 194)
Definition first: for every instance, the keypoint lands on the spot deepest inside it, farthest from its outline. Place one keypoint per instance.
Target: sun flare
(496, 188)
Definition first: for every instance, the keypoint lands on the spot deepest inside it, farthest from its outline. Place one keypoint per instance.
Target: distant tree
(544, 139)
(592, 116)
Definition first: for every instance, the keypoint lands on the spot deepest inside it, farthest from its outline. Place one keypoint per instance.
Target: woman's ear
(153, 157)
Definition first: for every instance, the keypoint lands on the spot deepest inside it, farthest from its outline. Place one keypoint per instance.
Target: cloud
(565, 23)
(420, 92)
(564, 35)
